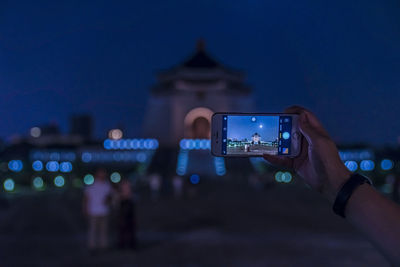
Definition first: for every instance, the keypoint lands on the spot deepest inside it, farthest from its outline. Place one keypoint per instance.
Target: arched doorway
(201, 128)
(198, 123)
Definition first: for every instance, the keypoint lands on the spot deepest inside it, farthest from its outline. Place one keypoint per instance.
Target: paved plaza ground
(222, 225)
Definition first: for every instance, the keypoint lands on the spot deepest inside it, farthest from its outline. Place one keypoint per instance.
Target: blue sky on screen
(240, 127)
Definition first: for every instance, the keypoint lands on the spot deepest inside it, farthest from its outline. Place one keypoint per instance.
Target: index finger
(295, 109)
(310, 116)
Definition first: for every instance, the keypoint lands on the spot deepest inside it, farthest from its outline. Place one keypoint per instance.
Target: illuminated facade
(256, 138)
(182, 102)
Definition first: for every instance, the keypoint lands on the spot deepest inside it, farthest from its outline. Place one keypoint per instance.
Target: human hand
(318, 164)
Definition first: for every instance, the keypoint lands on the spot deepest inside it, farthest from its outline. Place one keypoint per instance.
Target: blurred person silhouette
(177, 185)
(155, 186)
(352, 196)
(96, 202)
(126, 216)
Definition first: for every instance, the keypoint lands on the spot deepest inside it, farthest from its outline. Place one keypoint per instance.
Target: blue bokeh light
(131, 144)
(38, 183)
(220, 168)
(86, 157)
(70, 156)
(286, 177)
(183, 159)
(88, 179)
(278, 176)
(59, 181)
(141, 157)
(367, 165)
(194, 179)
(37, 165)
(115, 177)
(15, 165)
(107, 144)
(387, 164)
(55, 156)
(351, 165)
(65, 166)
(9, 184)
(195, 144)
(52, 166)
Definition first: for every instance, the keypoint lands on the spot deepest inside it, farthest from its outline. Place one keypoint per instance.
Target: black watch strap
(346, 191)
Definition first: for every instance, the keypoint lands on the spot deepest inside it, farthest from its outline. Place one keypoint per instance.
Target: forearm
(378, 218)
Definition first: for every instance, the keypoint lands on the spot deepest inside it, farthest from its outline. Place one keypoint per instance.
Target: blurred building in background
(175, 144)
(182, 102)
(81, 125)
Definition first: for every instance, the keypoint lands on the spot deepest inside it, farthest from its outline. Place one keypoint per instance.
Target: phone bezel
(216, 133)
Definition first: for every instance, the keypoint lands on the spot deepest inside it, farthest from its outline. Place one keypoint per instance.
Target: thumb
(306, 129)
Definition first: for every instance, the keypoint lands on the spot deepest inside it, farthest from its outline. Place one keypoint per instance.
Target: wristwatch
(346, 191)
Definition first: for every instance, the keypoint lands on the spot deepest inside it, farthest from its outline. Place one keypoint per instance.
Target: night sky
(241, 127)
(341, 59)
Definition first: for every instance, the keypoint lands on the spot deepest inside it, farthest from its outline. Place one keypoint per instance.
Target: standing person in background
(96, 208)
(155, 186)
(177, 184)
(126, 216)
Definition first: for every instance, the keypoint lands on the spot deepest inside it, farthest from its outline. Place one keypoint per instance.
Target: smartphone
(255, 134)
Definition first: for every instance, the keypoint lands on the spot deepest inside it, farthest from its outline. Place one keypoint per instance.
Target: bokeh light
(55, 156)
(115, 177)
(66, 166)
(351, 165)
(15, 165)
(37, 165)
(38, 183)
(278, 176)
(88, 179)
(194, 179)
(52, 166)
(115, 134)
(220, 168)
(195, 144)
(59, 181)
(131, 144)
(9, 185)
(35, 132)
(387, 164)
(107, 145)
(183, 158)
(367, 165)
(286, 177)
(86, 157)
(141, 157)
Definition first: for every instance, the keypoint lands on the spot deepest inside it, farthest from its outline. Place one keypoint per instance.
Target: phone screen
(256, 135)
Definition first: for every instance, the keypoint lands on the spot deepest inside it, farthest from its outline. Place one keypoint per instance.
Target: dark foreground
(287, 225)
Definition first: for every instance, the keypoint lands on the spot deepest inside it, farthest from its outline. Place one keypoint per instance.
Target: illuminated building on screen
(186, 95)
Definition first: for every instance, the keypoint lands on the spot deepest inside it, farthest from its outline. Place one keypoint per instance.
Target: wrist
(335, 183)
(346, 191)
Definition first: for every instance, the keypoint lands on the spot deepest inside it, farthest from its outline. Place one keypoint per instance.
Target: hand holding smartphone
(255, 134)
